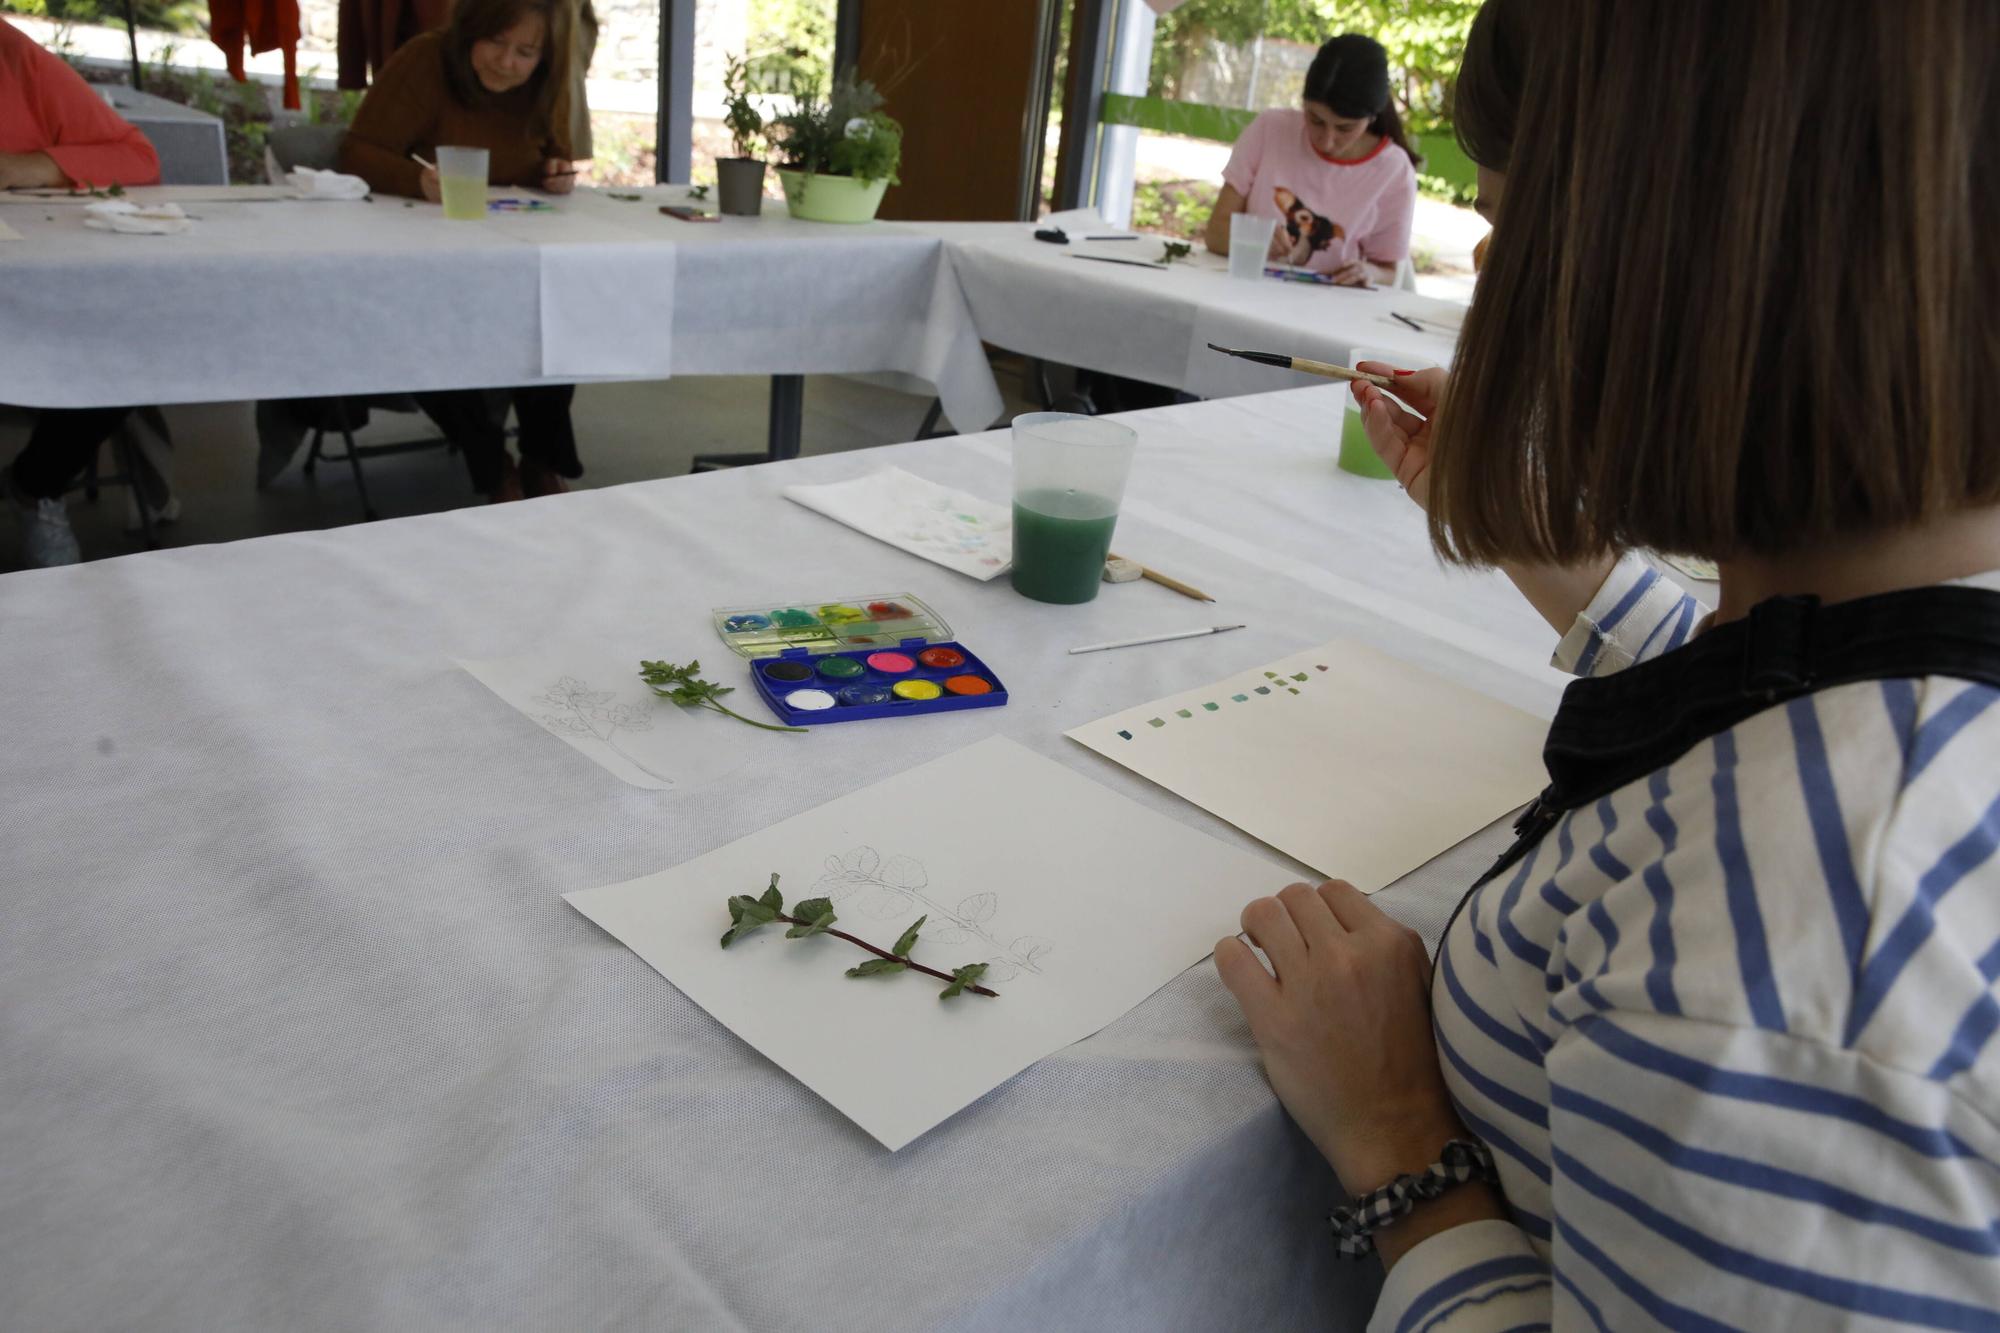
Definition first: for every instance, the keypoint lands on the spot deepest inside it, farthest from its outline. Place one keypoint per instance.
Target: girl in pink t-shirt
(1338, 175)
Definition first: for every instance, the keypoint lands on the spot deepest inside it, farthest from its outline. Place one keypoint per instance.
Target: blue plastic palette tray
(857, 658)
(809, 689)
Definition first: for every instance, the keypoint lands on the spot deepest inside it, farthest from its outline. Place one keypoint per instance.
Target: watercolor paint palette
(857, 658)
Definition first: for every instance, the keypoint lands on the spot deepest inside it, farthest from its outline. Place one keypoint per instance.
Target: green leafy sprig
(1175, 250)
(814, 916)
(690, 691)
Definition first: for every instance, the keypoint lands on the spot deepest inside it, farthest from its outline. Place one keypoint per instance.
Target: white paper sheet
(947, 527)
(607, 308)
(591, 697)
(7, 233)
(1083, 902)
(1358, 765)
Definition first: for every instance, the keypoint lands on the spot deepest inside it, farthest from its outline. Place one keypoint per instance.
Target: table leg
(788, 410)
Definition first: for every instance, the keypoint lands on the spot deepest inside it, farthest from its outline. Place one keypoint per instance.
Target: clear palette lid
(881, 620)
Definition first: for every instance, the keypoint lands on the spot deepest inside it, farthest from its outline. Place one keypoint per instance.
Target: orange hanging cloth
(267, 25)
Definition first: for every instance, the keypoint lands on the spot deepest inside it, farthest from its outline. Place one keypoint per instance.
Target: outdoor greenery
(791, 44)
(1424, 39)
(186, 16)
(1173, 208)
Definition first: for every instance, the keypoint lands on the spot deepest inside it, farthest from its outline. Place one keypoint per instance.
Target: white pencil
(1154, 638)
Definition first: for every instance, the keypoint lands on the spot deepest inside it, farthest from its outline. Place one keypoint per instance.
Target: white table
(1155, 325)
(300, 1034)
(273, 298)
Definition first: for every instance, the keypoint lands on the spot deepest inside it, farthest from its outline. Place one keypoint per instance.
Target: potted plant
(739, 180)
(841, 152)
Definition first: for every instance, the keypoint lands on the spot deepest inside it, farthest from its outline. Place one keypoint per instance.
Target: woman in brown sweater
(498, 78)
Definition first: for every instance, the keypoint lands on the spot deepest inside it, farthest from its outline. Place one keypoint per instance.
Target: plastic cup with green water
(1356, 454)
(462, 181)
(1069, 479)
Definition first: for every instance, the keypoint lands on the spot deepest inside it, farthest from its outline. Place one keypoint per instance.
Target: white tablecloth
(1154, 325)
(299, 1033)
(277, 299)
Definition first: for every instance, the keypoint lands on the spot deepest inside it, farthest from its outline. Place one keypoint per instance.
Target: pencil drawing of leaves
(902, 872)
(862, 861)
(1029, 950)
(950, 935)
(569, 692)
(885, 903)
(572, 726)
(978, 908)
(1001, 968)
(632, 717)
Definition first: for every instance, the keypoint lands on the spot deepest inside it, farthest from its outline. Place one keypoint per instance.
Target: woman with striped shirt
(1713, 1045)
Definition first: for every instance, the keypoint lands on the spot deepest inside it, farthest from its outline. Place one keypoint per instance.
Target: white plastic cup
(1069, 481)
(462, 182)
(1249, 244)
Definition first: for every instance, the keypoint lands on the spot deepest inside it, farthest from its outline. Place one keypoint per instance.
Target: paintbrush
(1175, 585)
(1325, 369)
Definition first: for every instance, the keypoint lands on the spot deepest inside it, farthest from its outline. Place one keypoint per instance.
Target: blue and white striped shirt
(1728, 1031)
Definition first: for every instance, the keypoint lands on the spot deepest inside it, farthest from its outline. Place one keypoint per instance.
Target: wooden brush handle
(1333, 372)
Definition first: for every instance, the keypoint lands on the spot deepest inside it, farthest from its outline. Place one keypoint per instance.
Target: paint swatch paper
(1081, 902)
(1356, 764)
(591, 698)
(944, 526)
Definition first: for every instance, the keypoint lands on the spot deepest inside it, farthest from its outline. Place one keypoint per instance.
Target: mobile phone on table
(686, 214)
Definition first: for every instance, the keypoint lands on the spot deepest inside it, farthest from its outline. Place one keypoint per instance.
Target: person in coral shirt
(56, 132)
(54, 128)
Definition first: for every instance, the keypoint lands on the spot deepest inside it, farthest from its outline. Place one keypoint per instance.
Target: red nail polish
(1406, 372)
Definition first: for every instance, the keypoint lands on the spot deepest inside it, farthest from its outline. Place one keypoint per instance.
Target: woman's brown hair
(474, 21)
(1743, 295)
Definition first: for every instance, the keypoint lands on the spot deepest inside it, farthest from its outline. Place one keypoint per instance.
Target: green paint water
(464, 197)
(1060, 541)
(1356, 454)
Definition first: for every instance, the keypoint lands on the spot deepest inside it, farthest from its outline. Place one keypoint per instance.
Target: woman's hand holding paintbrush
(1400, 435)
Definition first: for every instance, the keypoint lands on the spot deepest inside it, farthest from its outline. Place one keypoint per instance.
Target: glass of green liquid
(1356, 454)
(1069, 478)
(462, 181)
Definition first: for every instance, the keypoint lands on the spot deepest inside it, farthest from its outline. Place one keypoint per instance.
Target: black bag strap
(1613, 730)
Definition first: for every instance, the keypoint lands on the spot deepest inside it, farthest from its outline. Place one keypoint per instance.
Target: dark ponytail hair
(1350, 75)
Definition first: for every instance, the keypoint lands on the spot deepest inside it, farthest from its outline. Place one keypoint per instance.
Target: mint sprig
(814, 916)
(690, 691)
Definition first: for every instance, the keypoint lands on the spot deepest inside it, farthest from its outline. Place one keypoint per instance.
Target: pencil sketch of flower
(582, 711)
(889, 888)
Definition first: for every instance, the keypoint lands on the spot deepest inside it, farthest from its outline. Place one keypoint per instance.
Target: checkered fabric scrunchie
(1461, 1162)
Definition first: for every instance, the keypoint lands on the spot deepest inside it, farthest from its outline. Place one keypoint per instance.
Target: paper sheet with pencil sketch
(590, 697)
(1081, 902)
(1358, 765)
(944, 526)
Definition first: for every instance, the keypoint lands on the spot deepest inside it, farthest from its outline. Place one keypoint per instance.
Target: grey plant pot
(739, 186)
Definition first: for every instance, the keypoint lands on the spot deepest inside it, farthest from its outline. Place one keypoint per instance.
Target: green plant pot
(817, 198)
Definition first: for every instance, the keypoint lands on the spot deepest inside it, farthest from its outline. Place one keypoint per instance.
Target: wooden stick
(1325, 369)
(1175, 585)
(1330, 371)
